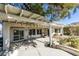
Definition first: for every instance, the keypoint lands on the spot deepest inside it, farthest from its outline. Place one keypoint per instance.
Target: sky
(66, 21)
(74, 18)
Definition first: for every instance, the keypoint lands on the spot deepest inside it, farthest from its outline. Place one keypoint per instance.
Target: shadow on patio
(27, 43)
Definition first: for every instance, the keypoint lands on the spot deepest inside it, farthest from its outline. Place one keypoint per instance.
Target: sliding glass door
(18, 34)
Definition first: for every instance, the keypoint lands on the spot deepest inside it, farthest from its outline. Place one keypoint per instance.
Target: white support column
(50, 35)
(26, 33)
(36, 32)
(61, 31)
(6, 35)
(53, 30)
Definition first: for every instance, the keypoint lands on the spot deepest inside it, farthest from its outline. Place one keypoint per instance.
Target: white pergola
(10, 13)
(13, 14)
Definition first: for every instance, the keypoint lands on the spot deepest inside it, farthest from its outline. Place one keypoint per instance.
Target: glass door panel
(18, 34)
(21, 34)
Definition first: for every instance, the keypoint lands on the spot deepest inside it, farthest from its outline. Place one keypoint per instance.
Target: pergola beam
(6, 9)
(10, 17)
(14, 10)
(21, 13)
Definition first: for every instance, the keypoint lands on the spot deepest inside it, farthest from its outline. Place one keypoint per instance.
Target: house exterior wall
(8, 33)
(8, 28)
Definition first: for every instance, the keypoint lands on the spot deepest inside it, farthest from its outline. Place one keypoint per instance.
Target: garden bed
(68, 49)
(70, 45)
(72, 42)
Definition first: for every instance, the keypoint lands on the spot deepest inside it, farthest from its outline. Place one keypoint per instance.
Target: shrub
(73, 42)
(47, 44)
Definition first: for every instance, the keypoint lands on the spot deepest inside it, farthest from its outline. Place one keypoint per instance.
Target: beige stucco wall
(24, 27)
(8, 35)
(8, 28)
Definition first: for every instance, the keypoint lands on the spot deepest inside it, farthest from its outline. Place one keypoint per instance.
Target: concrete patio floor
(39, 50)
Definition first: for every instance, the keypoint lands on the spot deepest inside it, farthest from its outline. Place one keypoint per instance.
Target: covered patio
(19, 25)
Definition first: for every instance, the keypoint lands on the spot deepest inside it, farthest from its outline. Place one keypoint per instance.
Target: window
(56, 30)
(1, 41)
(59, 30)
(39, 31)
(32, 32)
(16, 32)
(21, 34)
(18, 35)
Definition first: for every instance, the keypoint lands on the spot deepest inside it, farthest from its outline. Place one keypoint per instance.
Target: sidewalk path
(39, 50)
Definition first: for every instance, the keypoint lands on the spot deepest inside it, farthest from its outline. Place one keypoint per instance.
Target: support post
(36, 32)
(6, 36)
(62, 31)
(50, 34)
